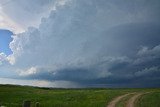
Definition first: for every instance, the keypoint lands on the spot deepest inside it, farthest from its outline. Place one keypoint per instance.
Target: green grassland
(149, 100)
(13, 96)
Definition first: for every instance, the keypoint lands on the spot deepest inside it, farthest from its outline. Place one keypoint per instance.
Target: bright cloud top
(7, 23)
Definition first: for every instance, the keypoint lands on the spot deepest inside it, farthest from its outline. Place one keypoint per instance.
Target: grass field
(13, 96)
(149, 100)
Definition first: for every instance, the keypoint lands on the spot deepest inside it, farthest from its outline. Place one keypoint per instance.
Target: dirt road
(132, 100)
(116, 100)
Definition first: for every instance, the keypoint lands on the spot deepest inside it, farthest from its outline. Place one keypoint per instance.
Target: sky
(80, 43)
(5, 39)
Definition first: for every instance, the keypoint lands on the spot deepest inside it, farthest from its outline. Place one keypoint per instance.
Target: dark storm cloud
(95, 43)
(139, 42)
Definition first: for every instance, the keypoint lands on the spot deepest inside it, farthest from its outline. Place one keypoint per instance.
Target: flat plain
(13, 96)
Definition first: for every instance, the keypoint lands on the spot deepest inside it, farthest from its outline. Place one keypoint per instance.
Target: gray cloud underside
(94, 43)
(135, 68)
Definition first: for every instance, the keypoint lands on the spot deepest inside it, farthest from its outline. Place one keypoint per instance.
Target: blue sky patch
(5, 39)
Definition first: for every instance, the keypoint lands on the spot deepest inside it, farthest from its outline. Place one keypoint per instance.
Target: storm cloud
(93, 43)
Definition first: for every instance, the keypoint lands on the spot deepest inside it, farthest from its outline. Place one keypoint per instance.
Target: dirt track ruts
(116, 100)
(132, 100)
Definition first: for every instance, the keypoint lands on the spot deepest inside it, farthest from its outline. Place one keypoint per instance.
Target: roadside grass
(149, 100)
(13, 96)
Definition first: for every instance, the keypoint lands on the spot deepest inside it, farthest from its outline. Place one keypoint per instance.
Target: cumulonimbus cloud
(88, 42)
